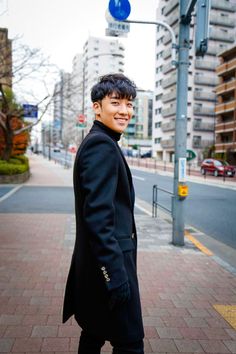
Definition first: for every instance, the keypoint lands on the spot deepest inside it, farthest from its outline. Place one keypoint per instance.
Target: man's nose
(123, 109)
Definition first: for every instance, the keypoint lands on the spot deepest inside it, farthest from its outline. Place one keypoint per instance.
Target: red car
(217, 168)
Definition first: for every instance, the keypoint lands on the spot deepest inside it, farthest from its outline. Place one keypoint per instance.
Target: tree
(29, 70)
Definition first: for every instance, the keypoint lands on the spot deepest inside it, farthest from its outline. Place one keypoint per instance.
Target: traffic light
(202, 26)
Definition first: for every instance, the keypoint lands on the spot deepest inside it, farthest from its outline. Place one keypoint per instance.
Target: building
(225, 128)
(5, 58)
(64, 115)
(140, 126)
(72, 102)
(201, 82)
(100, 56)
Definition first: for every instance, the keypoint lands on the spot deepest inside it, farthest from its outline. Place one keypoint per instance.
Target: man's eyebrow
(115, 97)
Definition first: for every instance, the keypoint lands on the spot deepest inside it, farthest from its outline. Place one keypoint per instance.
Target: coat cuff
(113, 278)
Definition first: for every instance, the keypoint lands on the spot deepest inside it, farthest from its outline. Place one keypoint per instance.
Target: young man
(102, 287)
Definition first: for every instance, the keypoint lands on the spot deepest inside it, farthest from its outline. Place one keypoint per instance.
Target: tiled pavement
(179, 286)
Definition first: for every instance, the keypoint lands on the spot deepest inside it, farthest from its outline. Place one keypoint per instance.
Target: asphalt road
(210, 209)
(55, 200)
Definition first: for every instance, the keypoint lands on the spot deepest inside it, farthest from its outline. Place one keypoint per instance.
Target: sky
(61, 27)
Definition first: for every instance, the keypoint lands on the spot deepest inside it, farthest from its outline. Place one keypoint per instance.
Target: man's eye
(115, 102)
(130, 105)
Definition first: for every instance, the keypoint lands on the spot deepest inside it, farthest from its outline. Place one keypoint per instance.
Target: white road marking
(12, 191)
(139, 178)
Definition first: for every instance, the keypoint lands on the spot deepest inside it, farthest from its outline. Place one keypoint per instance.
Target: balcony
(223, 5)
(214, 49)
(216, 19)
(204, 110)
(168, 126)
(226, 87)
(221, 35)
(171, 95)
(167, 38)
(225, 107)
(206, 80)
(174, 17)
(205, 64)
(167, 68)
(171, 5)
(221, 147)
(200, 144)
(201, 126)
(167, 53)
(204, 96)
(225, 127)
(169, 111)
(169, 81)
(168, 143)
(226, 67)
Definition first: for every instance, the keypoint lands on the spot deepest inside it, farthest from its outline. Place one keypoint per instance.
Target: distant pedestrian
(102, 286)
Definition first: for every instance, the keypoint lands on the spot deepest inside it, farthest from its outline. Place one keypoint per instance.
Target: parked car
(217, 168)
(146, 154)
(56, 149)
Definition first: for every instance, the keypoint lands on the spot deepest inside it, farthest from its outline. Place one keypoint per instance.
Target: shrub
(14, 166)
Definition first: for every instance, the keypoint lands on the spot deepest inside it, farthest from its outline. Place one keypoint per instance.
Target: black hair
(113, 83)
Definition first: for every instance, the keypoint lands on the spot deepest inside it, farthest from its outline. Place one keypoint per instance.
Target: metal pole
(164, 24)
(181, 124)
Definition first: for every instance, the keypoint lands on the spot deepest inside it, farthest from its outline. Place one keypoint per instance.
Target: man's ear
(97, 108)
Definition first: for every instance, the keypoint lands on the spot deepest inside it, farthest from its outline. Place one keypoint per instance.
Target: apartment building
(202, 79)
(5, 58)
(225, 128)
(64, 115)
(140, 126)
(100, 56)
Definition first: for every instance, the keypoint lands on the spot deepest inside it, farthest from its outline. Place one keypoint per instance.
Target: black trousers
(90, 345)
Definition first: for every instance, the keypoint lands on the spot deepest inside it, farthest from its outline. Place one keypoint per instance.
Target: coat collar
(99, 126)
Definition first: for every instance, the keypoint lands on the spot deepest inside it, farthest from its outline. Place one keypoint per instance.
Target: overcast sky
(61, 27)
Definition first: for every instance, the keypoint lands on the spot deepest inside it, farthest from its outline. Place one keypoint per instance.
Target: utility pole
(120, 11)
(181, 124)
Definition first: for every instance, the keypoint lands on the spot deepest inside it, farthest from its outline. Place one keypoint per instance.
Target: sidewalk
(188, 299)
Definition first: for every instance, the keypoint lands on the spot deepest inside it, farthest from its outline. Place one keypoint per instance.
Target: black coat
(105, 249)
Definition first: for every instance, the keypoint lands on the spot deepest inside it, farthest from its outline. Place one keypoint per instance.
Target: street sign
(81, 121)
(116, 28)
(30, 111)
(182, 169)
(190, 155)
(119, 9)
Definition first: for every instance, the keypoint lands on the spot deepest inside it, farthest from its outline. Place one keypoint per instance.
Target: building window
(158, 111)
(157, 140)
(158, 97)
(159, 55)
(159, 69)
(158, 83)
(158, 125)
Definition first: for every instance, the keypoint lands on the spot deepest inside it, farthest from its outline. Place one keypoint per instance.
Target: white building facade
(100, 56)
(202, 80)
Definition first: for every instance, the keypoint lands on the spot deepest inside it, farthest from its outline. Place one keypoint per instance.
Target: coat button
(132, 236)
(103, 268)
(108, 279)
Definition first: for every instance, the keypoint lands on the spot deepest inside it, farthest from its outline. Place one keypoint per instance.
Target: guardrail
(155, 202)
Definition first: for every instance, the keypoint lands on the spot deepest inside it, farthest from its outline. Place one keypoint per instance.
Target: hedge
(16, 165)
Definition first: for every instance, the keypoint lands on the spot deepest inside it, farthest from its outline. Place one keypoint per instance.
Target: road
(210, 209)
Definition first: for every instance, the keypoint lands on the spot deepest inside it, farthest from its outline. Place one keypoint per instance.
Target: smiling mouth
(123, 120)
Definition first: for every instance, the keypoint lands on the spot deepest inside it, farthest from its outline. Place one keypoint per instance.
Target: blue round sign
(119, 9)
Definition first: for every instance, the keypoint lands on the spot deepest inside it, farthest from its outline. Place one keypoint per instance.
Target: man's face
(114, 112)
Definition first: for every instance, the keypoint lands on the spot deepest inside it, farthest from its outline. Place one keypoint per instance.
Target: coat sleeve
(98, 180)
